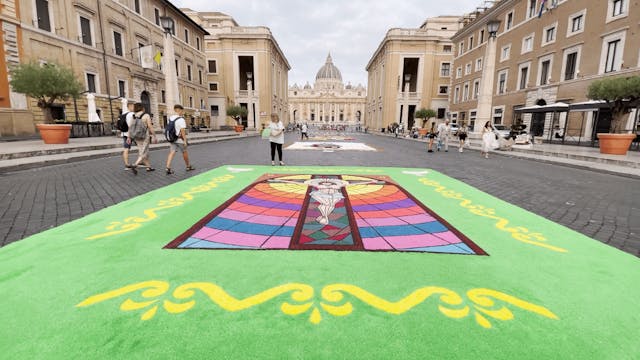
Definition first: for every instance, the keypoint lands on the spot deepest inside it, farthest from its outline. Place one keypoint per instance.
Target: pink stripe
(236, 238)
(415, 241)
(376, 243)
(205, 232)
(269, 220)
(417, 219)
(386, 221)
(235, 215)
(277, 242)
(292, 221)
(449, 237)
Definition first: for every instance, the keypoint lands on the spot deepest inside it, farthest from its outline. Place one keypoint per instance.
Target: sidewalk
(20, 155)
(575, 156)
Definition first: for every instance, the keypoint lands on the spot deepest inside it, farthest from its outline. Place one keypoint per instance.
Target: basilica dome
(329, 71)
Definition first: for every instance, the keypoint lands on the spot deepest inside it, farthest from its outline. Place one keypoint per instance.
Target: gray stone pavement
(598, 203)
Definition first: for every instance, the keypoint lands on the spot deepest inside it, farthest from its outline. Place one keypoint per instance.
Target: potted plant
(425, 115)
(237, 112)
(621, 94)
(47, 83)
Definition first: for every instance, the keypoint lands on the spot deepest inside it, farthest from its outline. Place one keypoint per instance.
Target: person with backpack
(123, 125)
(141, 131)
(176, 134)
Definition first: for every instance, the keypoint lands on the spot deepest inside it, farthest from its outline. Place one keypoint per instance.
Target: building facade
(111, 46)
(543, 53)
(245, 67)
(409, 70)
(328, 101)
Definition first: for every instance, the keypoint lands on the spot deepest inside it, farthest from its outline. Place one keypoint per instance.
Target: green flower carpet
(248, 262)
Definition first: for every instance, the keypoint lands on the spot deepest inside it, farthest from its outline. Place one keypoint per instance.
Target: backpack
(122, 122)
(138, 128)
(170, 130)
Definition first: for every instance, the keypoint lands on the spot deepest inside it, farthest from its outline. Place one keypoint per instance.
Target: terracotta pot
(54, 133)
(615, 144)
(239, 128)
(422, 132)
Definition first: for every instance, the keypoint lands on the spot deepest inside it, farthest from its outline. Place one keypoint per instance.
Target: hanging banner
(146, 56)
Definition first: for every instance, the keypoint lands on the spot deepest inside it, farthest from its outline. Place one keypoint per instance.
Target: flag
(158, 57)
(542, 7)
(146, 59)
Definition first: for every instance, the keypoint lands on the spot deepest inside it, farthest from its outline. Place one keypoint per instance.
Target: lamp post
(405, 108)
(169, 67)
(250, 114)
(485, 95)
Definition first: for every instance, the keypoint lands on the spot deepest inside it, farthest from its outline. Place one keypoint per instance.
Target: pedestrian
(396, 130)
(444, 132)
(128, 115)
(276, 138)
(180, 127)
(462, 136)
(145, 136)
(432, 134)
(488, 138)
(303, 131)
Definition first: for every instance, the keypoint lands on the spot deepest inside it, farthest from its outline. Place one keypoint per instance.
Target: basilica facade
(328, 101)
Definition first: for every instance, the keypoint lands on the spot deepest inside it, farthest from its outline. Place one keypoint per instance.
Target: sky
(351, 30)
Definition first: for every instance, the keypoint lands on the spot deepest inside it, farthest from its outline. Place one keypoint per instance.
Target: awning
(555, 107)
(591, 105)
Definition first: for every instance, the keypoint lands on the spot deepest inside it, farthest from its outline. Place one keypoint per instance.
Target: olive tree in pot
(237, 112)
(47, 83)
(425, 115)
(621, 94)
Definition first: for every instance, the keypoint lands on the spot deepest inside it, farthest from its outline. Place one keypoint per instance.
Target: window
(456, 94)
(156, 15)
(445, 69)
(91, 83)
(213, 69)
(191, 101)
(122, 87)
(163, 96)
(467, 69)
(443, 89)
(198, 43)
(215, 110)
(188, 72)
(509, 22)
(523, 77)
(476, 89)
(497, 116)
(612, 52)
(549, 35)
(576, 23)
(502, 82)
(470, 42)
(42, 12)
(461, 48)
(570, 63)
(479, 64)
(213, 86)
(618, 7)
(458, 72)
(200, 76)
(504, 54)
(481, 36)
(465, 92)
(441, 113)
(186, 36)
(446, 48)
(545, 71)
(527, 44)
(117, 43)
(531, 9)
(472, 119)
(136, 6)
(85, 29)
(177, 68)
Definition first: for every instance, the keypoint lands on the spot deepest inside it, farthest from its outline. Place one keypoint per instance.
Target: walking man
(181, 143)
(141, 131)
(303, 131)
(125, 135)
(444, 132)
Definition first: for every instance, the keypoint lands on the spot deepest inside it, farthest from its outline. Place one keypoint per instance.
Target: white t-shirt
(444, 130)
(275, 128)
(304, 128)
(129, 119)
(180, 124)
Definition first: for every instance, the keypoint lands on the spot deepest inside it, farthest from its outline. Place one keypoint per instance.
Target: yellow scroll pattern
(134, 222)
(336, 300)
(519, 233)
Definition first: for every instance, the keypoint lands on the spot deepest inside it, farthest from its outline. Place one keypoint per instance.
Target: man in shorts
(181, 143)
(125, 135)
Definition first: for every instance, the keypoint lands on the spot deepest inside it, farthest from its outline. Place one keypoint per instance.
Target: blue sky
(350, 29)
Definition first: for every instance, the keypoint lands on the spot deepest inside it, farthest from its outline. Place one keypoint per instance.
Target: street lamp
(492, 28)
(250, 113)
(169, 67)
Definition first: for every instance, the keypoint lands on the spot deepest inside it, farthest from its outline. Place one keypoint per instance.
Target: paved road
(605, 207)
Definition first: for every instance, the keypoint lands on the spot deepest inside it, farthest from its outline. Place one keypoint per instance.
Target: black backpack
(122, 122)
(170, 130)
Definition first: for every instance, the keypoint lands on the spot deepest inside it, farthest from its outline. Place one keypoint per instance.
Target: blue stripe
(249, 228)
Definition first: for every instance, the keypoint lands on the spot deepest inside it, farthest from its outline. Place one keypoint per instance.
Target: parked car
(454, 130)
(503, 131)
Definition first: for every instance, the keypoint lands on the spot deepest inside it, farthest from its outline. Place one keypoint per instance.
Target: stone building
(111, 45)
(328, 101)
(544, 54)
(246, 67)
(410, 70)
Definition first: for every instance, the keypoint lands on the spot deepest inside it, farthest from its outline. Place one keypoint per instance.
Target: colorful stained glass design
(325, 212)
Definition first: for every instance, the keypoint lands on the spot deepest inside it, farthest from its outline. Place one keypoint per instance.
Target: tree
(425, 115)
(236, 112)
(46, 83)
(620, 93)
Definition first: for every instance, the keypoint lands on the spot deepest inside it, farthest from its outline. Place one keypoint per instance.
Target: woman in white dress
(488, 138)
(276, 138)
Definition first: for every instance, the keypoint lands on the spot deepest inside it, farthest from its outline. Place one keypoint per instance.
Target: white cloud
(350, 29)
